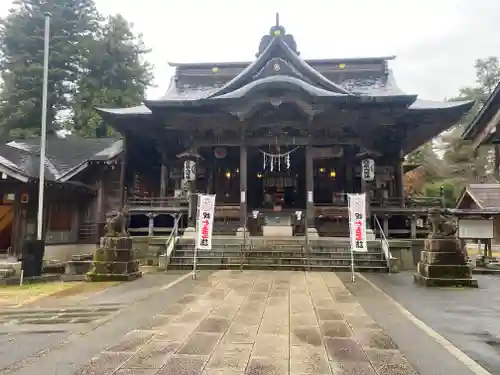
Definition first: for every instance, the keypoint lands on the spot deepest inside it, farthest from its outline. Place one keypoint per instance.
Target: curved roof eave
(322, 80)
(430, 105)
(139, 110)
(285, 82)
(442, 119)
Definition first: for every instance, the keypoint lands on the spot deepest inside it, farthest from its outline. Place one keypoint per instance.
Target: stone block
(114, 260)
(443, 263)
(446, 245)
(78, 267)
(442, 258)
(277, 231)
(104, 255)
(116, 243)
(439, 282)
(444, 271)
(111, 277)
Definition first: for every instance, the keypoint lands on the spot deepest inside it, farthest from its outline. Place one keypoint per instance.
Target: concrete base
(370, 234)
(277, 231)
(242, 232)
(112, 277)
(440, 282)
(312, 233)
(189, 232)
(443, 263)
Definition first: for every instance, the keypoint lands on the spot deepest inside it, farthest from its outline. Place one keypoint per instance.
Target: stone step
(7, 272)
(282, 266)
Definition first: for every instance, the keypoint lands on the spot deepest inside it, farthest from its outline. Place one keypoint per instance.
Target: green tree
(114, 75)
(465, 165)
(73, 24)
(431, 165)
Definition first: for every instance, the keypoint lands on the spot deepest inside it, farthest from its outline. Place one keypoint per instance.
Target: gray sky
(436, 41)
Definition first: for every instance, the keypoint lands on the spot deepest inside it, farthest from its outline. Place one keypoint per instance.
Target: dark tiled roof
(486, 196)
(63, 155)
(279, 69)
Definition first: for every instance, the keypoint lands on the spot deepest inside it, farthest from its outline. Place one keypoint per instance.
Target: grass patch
(21, 295)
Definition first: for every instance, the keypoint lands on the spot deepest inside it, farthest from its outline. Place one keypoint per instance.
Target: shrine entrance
(276, 178)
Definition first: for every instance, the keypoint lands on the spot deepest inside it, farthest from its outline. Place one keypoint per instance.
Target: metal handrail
(172, 238)
(244, 245)
(384, 243)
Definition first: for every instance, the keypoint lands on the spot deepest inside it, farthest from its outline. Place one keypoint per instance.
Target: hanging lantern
(220, 152)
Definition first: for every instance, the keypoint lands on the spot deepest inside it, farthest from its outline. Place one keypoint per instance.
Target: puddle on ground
(309, 336)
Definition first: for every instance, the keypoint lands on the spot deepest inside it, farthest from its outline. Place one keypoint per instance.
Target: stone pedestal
(444, 264)
(312, 232)
(370, 234)
(277, 231)
(189, 232)
(114, 260)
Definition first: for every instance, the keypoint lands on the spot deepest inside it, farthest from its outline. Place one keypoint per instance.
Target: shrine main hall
(281, 141)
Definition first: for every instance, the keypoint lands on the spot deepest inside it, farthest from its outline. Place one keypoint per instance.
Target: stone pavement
(257, 323)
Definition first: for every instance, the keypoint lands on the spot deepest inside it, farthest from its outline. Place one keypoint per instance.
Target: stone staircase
(230, 252)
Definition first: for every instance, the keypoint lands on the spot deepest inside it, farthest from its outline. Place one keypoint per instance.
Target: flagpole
(353, 277)
(196, 238)
(43, 131)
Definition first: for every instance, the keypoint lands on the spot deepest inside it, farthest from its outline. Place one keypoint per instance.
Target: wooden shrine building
(281, 134)
(484, 129)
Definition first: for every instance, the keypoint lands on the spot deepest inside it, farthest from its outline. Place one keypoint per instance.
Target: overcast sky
(435, 41)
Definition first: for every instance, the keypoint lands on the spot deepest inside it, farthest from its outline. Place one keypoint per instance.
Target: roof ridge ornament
(277, 31)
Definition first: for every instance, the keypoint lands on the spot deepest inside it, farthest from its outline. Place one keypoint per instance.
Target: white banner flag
(205, 222)
(357, 221)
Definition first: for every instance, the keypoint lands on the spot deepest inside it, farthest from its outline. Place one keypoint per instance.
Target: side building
(82, 183)
(484, 129)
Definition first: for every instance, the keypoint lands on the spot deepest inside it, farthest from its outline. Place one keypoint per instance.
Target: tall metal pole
(43, 131)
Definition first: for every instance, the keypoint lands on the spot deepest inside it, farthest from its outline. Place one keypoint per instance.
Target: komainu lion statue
(117, 225)
(440, 225)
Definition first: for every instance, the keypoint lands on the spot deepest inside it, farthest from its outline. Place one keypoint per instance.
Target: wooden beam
(489, 128)
(282, 141)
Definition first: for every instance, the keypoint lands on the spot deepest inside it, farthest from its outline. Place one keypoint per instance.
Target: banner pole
(194, 262)
(349, 209)
(196, 239)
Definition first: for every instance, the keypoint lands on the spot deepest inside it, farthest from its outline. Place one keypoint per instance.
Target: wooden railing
(157, 202)
(392, 202)
(407, 201)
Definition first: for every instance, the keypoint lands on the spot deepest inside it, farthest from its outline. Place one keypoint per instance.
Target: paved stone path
(258, 323)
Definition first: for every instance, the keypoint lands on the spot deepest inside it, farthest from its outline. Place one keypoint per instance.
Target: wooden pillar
(99, 206)
(496, 167)
(385, 225)
(163, 175)
(309, 187)
(399, 176)
(15, 242)
(366, 189)
(349, 186)
(193, 196)
(413, 226)
(151, 224)
(243, 184)
(123, 197)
